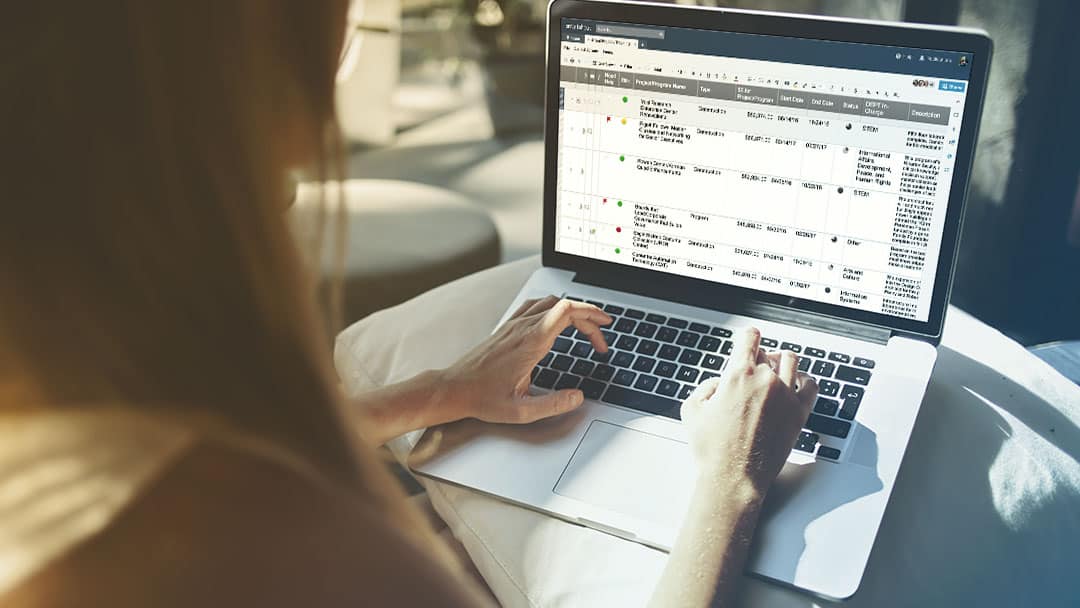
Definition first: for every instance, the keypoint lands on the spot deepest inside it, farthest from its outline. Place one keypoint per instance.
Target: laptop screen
(808, 168)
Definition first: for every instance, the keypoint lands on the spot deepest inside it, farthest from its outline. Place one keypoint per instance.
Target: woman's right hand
(744, 424)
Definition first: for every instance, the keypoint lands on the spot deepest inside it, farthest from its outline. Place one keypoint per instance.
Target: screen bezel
(701, 292)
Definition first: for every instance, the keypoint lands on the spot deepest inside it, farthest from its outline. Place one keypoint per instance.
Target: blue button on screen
(952, 85)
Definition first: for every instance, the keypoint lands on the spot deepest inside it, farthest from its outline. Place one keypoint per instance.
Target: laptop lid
(715, 157)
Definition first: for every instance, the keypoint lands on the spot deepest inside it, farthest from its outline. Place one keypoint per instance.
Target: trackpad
(633, 472)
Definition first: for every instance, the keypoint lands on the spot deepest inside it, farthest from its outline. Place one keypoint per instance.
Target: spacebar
(645, 402)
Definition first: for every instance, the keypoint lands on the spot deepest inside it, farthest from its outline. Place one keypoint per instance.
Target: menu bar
(822, 102)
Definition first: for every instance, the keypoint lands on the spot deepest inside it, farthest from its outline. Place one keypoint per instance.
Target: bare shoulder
(225, 526)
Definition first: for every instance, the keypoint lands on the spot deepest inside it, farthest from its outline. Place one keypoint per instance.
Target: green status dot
(625, 99)
(617, 250)
(622, 158)
(620, 203)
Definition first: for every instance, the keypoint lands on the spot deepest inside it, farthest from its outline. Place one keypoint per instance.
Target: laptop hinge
(671, 290)
(832, 325)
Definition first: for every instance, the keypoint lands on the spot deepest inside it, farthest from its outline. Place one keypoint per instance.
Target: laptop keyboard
(655, 361)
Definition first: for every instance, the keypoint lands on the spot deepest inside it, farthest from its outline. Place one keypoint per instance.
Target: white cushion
(986, 511)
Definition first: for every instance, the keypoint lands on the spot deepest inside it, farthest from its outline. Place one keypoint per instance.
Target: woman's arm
(491, 382)
(709, 555)
(742, 428)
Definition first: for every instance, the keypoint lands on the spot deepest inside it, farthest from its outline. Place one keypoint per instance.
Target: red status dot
(609, 119)
(605, 200)
(618, 229)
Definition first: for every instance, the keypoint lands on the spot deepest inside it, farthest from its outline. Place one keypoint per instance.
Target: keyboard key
(648, 347)
(569, 331)
(624, 377)
(721, 332)
(706, 375)
(626, 343)
(655, 318)
(826, 406)
(644, 364)
(828, 452)
(612, 309)
(804, 364)
(685, 391)
(546, 378)
(687, 374)
(768, 343)
(562, 345)
(581, 349)
(625, 326)
(823, 369)
(562, 363)
(567, 381)
(688, 338)
(668, 388)
(710, 344)
(534, 373)
(580, 335)
(828, 426)
(795, 348)
(603, 373)
(645, 330)
(712, 362)
(853, 374)
(634, 313)
(700, 328)
(599, 305)
(547, 359)
(806, 442)
(667, 334)
(839, 357)
(669, 352)
(592, 388)
(852, 396)
(666, 369)
(690, 357)
(852, 392)
(726, 348)
(574, 298)
(677, 323)
(622, 359)
(814, 352)
(609, 336)
(646, 382)
(828, 388)
(582, 367)
(645, 402)
(601, 357)
(867, 363)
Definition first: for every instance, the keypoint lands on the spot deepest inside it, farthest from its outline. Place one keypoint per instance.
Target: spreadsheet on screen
(815, 169)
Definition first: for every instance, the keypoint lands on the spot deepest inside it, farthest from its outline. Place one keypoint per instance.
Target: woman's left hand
(491, 382)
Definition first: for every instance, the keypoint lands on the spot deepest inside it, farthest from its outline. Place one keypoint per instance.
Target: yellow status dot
(624, 121)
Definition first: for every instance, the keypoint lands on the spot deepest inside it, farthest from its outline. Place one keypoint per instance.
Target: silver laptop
(707, 170)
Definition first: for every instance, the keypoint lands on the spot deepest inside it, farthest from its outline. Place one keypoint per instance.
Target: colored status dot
(618, 229)
(625, 99)
(620, 203)
(605, 200)
(621, 158)
(609, 119)
(617, 250)
(624, 121)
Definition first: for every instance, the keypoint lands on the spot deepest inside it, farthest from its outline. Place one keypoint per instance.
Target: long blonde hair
(145, 257)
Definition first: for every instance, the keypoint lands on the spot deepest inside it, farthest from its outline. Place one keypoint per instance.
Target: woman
(171, 431)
